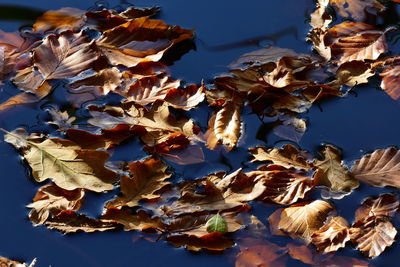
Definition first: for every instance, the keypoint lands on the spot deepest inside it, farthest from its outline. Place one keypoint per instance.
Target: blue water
(359, 123)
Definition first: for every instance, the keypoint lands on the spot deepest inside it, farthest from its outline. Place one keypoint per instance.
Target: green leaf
(217, 224)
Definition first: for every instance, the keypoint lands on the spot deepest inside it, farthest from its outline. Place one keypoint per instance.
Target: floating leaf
(66, 163)
(213, 242)
(216, 224)
(381, 168)
(390, 81)
(304, 219)
(332, 236)
(4, 262)
(332, 174)
(66, 18)
(51, 200)
(386, 205)
(357, 9)
(262, 253)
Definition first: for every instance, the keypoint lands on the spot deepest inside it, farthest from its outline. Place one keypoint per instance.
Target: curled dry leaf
(385, 205)
(140, 40)
(63, 161)
(320, 19)
(69, 221)
(186, 98)
(224, 127)
(145, 179)
(357, 9)
(353, 73)
(102, 82)
(304, 219)
(332, 236)
(58, 57)
(373, 236)
(332, 174)
(381, 168)
(288, 156)
(51, 200)
(390, 81)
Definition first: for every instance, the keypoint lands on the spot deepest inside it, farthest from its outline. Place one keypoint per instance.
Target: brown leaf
(320, 18)
(140, 40)
(145, 179)
(304, 219)
(332, 174)
(58, 57)
(63, 161)
(381, 168)
(139, 221)
(68, 222)
(342, 261)
(301, 252)
(332, 236)
(288, 156)
(390, 81)
(51, 200)
(213, 242)
(186, 98)
(373, 236)
(66, 18)
(264, 254)
(353, 73)
(4, 262)
(357, 9)
(224, 127)
(386, 205)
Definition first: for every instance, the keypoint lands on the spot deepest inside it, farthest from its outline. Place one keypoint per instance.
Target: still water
(358, 123)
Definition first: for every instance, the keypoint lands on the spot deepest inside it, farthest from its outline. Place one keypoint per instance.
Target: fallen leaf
(139, 221)
(386, 205)
(331, 172)
(288, 156)
(291, 128)
(4, 262)
(216, 224)
(301, 252)
(224, 127)
(66, 163)
(266, 254)
(51, 200)
(304, 219)
(320, 18)
(68, 222)
(353, 73)
(390, 81)
(186, 98)
(213, 242)
(357, 9)
(373, 236)
(381, 168)
(66, 18)
(332, 236)
(144, 180)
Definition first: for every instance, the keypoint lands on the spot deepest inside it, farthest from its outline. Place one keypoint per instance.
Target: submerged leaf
(217, 224)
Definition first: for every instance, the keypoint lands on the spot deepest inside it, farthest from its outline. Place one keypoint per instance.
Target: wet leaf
(224, 127)
(145, 179)
(381, 168)
(373, 236)
(213, 242)
(68, 222)
(357, 9)
(66, 18)
(66, 163)
(263, 254)
(288, 156)
(216, 224)
(331, 172)
(186, 98)
(51, 200)
(4, 262)
(304, 219)
(353, 73)
(301, 252)
(390, 81)
(320, 18)
(386, 205)
(332, 236)
(140, 40)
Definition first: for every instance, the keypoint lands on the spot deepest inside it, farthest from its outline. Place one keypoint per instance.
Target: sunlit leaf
(357, 9)
(381, 168)
(390, 81)
(216, 224)
(139, 221)
(353, 73)
(304, 219)
(66, 18)
(145, 179)
(51, 200)
(332, 173)
(386, 205)
(320, 18)
(66, 163)
(10, 263)
(332, 236)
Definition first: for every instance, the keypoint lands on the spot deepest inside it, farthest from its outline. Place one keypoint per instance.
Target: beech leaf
(386, 205)
(390, 81)
(332, 236)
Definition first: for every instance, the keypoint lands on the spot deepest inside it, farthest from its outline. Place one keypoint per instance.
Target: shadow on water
(358, 123)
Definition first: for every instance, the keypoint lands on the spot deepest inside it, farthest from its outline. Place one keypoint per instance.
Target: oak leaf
(144, 180)
(332, 174)
(63, 161)
(381, 168)
(51, 200)
(304, 219)
(332, 236)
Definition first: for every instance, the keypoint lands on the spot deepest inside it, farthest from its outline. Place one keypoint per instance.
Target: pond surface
(359, 123)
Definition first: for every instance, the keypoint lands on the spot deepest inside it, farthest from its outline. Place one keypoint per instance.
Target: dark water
(359, 123)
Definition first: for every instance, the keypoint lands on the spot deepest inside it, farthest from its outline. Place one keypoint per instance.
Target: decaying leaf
(304, 219)
(225, 127)
(145, 179)
(288, 156)
(51, 200)
(332, 174)
(63, 161)
(373, 236)
(381, 168)
(390, 81)
(332, 236)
